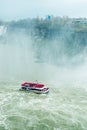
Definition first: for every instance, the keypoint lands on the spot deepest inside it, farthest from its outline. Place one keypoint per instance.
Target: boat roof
(37, 85)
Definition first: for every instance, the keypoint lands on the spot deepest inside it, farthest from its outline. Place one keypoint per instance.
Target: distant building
(49, 17)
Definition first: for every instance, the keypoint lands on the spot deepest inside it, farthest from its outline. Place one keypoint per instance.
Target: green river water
(64, 108)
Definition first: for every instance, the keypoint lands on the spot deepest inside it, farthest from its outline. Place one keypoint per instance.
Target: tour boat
(34, 87)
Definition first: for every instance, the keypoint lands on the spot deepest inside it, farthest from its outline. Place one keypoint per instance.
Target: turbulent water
(64, 107)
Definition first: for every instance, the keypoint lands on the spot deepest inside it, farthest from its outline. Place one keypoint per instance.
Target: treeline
(48, 28)
(67, 29)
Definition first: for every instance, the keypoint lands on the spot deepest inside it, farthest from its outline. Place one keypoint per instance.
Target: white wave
(2, 30)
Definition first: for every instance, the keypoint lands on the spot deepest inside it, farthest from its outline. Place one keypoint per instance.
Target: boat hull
(43, 90)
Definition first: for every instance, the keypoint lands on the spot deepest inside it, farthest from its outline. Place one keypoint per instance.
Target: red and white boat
(34, 87)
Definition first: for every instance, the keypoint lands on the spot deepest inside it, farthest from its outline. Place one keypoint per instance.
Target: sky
(20, 9)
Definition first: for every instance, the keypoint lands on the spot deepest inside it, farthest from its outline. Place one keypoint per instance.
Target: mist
(18, 61)
(55, 56)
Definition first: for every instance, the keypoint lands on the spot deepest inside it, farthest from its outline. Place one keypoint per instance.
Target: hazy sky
(18, 9)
